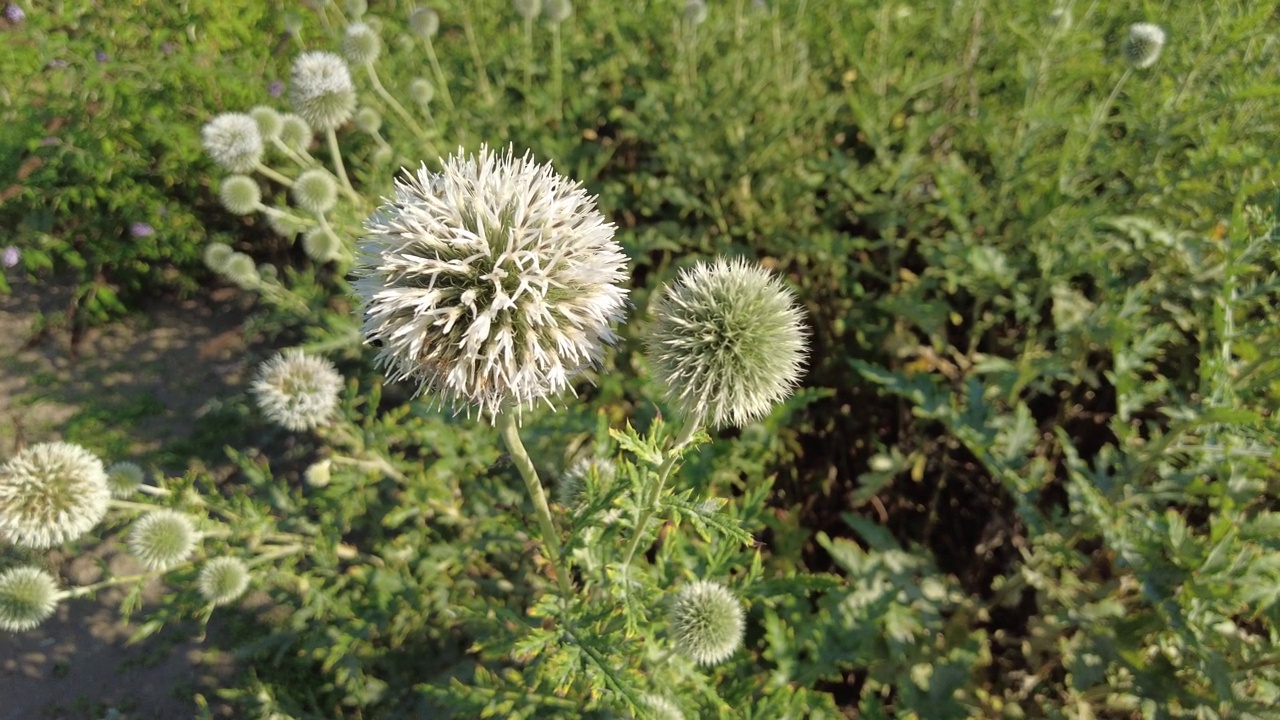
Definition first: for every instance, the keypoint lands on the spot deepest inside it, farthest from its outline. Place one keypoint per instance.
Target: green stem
(341, 170)
(1096, 123)
(550, 537)
(481, 73)
(394, 104)
(372, 463)
(274, 175)
(440, 79)
(691, 426)
(303, 159)
(557, 72)
(528, 70)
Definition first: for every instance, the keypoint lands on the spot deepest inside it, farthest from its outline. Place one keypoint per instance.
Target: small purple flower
(57, 64)
(101, 56)
(141, 229)
(11, 255)
(275, 89)
(167, 47)
(14, 13)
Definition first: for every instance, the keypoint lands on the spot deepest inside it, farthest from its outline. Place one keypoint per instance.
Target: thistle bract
(1143, 45)
(124, 479)
(706, 622)
(297, 391)
(321, 90)
(240, 194)
(315, 191)
(51, 493)
(727, 341)
(491, 284)
(162, 538)
(222, 580)
(28, 596)
(233, 141)
(360, 44)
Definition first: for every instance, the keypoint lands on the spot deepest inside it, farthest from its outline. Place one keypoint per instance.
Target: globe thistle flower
(241, 270)
(216, 257)
(286, 225)
(124, 479)
(315, 191)
(10, 257)
(425, 22)
(695, 12)
(28, 596)
(492, 284)
(528, 9)
(320, 245)
(233, 141)
(727, 342)
(321, 90)
(661, 708)
(240, 194)
(356, 8)
(297, 391)
(573, 489)
(269, 121)
(368, 120)
(1143, 45)
(557, 11)
(51, 493)
(422, 91)
(382, 155)
(295, 133)
(222, 580)
(360, 44)
(706, 622)
(162, 538)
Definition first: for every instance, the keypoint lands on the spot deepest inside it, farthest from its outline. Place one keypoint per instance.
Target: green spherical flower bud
(706, 622)
(726, 341)
(321, 246)
(1143, 45)
(425, 22)
(268, 121)
(368, 120)
(315, 190)
(233, 141)
(584, 481)
(318, 474)
(292, 23)
(382, 155)
(240, 194)
(422, 91)
(295, 133)
(50, 494)
(162, 538)
(321, 90)
(695, 12)
(124, 479)
(356, 8)
(216, 256)
(661, 708)
(241, 270)
(286, 225)
(223, 579)
(28, 596)
(528, 9)
(360, 44)
(557, 11)
(297, 391)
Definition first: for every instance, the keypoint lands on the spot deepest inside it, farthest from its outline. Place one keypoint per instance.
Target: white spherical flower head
(727, 341)
(321, 90)
(574, 489)
(368, 120)
(1143, 45)
(360, 44)
(222, 580)
(695, 12)
(241, 270)
(492, 284)
(315, 191)
(706, 622)
(124, 479)
(297, 391)
(240, 194)
(233, 141)
(28, 596)
(162, 538)
(51, 493)
(422, 91)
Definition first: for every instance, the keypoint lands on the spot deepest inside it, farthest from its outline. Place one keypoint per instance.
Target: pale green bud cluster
(28, 596)
(124, 479)
(706, 622)
(223, 580)
(315, 191)
(240, 194)
(161, 539)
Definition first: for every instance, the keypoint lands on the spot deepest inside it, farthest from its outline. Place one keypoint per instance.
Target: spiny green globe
(727, 342)
(315, 191)
(706, 622)
(28, 596)
(223, 579)
(162, 538)
(124, 479)
(269, 121)
(51, 493)
(360, 44)
(240, 194)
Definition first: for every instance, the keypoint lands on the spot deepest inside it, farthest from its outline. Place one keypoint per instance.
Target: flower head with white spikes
(492, 283)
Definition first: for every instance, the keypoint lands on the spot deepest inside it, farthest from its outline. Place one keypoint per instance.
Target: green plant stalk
(528, 69)
(557, 71)
(274, 175)
(278, 213)
(371, 463)
(440, 80)
(303, 159)
(687, 432)
(328, 230)
(394, 104)
(476, 57)
(520, 456)
(1098, 115)
(340, 169)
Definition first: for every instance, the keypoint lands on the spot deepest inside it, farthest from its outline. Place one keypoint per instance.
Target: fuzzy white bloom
(425, 22)
(492, 284)
(297, 391)
(51, 493)
(706, 622)
(233, 141)
(422, 91)
(360, 44)
(321, 90)
(223, 579)
(124, 479)
(528, 9)
(695, 12)
(28, 596)
(162, 538)
(727, 341)
(1143, 45)
(216, 257)
(557, 11)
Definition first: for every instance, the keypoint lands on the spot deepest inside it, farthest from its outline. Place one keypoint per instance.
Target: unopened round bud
(268, 121)
(321, 89)
(124, 478)
(314, 190)
(1143, 45)
(356, 8)
(360, 44)
(162, 538)
(240, 194)
(216, 256)
(318, 474)
(557, 11)
(28, 596)
(528, 9)
(286, 225)
(241, 270)
(422, 91)
(707, 622)
(382, 155)
(425, 22)
(233, 141)
(223, 579)
(295, 133)
(320, 245)
(368, 120)
(695, 12)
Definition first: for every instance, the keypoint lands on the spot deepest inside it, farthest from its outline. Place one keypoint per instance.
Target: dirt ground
(162, 372)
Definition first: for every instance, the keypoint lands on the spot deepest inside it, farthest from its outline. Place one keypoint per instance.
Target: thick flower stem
(440, 78)
(341, 170)
(550, 537)
(274, 175)
(687, 432)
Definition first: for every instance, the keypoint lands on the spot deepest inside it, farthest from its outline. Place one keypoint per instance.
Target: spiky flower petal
(321, 90)
(162, 538)
(360, 44)
(297, 391)
(492, 284)
(706, 622)
(240, 194)
(233, 141)
(124, 479)
(223, 579)
(1143, 45)
(28, 596)
(727, 341)
(315, 191)
(51, 493)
